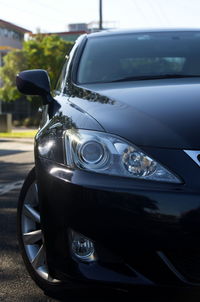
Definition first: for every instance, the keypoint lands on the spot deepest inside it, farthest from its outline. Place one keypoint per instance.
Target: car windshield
(140, 56)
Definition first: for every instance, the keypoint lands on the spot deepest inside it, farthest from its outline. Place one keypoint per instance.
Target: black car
(114, 198)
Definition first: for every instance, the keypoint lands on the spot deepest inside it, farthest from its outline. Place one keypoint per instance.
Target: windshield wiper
(155, 77)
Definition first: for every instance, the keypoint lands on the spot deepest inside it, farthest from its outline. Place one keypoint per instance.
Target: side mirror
(35, 82)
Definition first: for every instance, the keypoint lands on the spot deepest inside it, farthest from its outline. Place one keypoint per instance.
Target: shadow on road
(9, 152)
(10, 171)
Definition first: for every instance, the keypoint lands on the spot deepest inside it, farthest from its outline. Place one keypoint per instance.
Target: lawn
(26, 134)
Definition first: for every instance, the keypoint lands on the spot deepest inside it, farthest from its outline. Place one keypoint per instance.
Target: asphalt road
(16, 159)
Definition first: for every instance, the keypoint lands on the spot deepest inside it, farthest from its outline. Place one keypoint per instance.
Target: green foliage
(32, 121)
(43, 52)
(14, 61)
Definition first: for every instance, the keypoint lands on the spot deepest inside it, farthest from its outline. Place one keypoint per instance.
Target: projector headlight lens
(108, 154)
(91, 152)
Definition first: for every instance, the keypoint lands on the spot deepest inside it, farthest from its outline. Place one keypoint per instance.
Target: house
(12, 37)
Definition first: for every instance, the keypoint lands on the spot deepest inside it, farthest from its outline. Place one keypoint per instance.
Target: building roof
(13, 26)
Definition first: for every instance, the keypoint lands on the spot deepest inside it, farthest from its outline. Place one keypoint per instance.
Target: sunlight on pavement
(5, 188)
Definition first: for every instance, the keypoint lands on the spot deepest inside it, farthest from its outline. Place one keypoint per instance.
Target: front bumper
(138, 228)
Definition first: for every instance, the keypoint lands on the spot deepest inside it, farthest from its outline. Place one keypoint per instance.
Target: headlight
(105, 153)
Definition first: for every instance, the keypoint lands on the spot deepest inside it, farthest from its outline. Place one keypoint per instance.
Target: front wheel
(31, 240)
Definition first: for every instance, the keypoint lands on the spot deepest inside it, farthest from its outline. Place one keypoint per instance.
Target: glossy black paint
(133, 223)
(158, 113)
(35, 82)
(129, 221)
(156, 215)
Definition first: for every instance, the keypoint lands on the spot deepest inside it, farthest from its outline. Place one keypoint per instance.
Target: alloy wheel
(32, 234)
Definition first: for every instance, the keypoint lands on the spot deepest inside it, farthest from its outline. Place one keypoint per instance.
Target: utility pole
(100, 15)
(1, 60)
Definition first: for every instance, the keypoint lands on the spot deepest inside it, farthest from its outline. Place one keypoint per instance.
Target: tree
(43, 52)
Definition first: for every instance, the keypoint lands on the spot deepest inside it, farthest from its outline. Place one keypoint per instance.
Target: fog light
(82, 247)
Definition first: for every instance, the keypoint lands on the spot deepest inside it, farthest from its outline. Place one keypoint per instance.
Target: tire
(31, 242)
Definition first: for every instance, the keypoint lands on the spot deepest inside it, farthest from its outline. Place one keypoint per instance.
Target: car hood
(158, 113)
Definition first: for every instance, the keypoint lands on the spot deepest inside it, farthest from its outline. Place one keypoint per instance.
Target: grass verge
(27, 134)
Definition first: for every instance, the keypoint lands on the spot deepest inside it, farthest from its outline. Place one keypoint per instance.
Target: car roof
(112, 32)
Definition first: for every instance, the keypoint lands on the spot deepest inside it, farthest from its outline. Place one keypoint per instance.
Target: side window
(44, 115)
(61, 81)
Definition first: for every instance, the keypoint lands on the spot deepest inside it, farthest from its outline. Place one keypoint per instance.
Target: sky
(54, 15)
